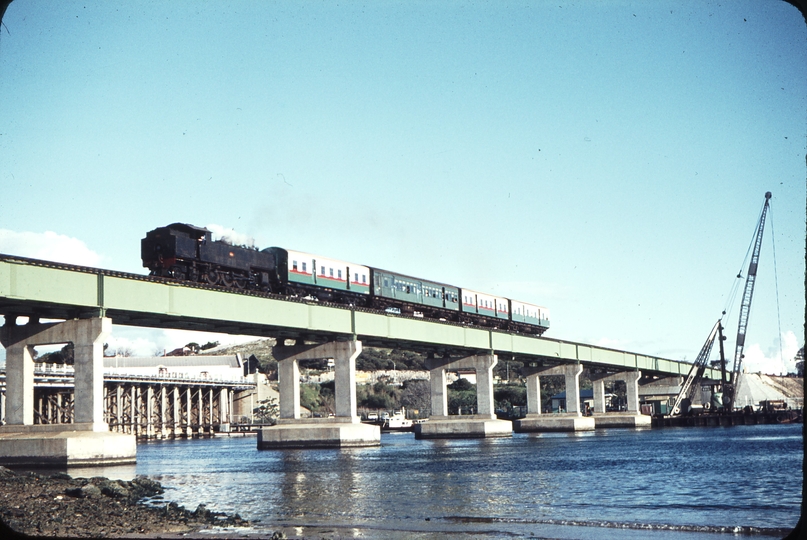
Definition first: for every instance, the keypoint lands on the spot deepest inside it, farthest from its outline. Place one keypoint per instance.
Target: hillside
(260, 348)
(371, 359)
(755, 387)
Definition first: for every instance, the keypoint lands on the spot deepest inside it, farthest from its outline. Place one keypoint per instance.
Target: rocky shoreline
(59, 505)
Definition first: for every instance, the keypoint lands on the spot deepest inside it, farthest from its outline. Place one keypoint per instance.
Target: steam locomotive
(187, 253)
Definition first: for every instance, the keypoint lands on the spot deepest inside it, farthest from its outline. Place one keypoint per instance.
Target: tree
(309, 397)
(209, 345)
(508, 370)
(462, 396)
(372, 359)
(267, 411)
(416, 396)
(63, 356)
(123, 351)
(462, 385)
(551, 385)
(510, 395)
(378, 396)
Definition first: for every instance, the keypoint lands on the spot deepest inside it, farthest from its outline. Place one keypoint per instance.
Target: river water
(672, 483)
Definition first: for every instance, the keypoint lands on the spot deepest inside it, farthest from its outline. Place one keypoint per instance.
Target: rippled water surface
(670, 483)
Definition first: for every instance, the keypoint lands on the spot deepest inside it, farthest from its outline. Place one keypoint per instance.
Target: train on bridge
(188, 253)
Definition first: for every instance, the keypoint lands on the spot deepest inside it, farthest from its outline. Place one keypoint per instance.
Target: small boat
(396, 422)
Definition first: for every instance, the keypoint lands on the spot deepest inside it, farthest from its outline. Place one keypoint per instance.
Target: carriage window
(322, 271)
(356, 277)
(294, 265)
(304, 269)
(331, 269)
(364, 278)
(339, 274)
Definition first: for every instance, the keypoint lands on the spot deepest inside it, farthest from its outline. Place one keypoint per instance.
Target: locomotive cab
(164, 247)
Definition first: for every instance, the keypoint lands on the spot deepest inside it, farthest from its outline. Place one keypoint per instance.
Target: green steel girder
(32, 288)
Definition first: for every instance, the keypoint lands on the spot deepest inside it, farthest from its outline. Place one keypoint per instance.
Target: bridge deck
(30, 287)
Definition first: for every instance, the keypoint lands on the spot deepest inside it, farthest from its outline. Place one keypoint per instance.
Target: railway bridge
(90, 300)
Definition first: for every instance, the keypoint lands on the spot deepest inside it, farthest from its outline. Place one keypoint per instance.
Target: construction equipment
(692, 382)
(731, 385)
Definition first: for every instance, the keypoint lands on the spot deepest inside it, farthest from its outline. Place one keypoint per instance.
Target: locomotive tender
(188, 253)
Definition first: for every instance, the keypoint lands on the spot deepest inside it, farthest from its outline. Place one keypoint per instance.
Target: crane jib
(745, 308)
(730, 380)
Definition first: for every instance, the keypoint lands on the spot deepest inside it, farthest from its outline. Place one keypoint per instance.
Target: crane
(731, 385)
(692, 382)
(732, 382)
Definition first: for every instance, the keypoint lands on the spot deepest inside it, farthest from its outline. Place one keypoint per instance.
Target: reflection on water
(113, 472)
(676, 481)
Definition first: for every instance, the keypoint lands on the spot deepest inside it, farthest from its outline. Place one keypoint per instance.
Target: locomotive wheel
(176, 272)
(211, 277)
(240, 282)
(227, 279)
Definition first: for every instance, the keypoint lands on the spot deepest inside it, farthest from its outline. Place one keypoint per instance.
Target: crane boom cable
(776, 282)
(732, 297)
(745, 307)
(735, 287)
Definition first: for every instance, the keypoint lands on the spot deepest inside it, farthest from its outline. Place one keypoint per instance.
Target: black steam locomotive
(188, 253)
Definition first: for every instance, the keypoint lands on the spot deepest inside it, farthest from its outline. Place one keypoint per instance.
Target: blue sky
(606, 160)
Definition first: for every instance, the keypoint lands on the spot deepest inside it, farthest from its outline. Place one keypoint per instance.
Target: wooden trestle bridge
(168, 405)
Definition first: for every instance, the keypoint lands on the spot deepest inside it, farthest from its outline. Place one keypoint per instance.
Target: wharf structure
(89, 298)
(153, 397)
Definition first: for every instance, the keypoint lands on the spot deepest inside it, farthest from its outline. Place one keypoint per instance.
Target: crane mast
(731, 386)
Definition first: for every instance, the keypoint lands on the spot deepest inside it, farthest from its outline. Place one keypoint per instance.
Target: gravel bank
(61, 506)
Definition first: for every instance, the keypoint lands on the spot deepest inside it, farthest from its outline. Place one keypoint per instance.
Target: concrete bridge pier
(482, 424)
(345, 428)
(571, 420)
(87, 440)
(631, 417)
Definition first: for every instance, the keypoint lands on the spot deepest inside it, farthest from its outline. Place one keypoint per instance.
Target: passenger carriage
(431, 298)
(322, 277)
(486, 305)
(527, 316)
(188, 253)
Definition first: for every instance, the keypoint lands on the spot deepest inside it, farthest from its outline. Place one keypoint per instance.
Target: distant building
(229, 367)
